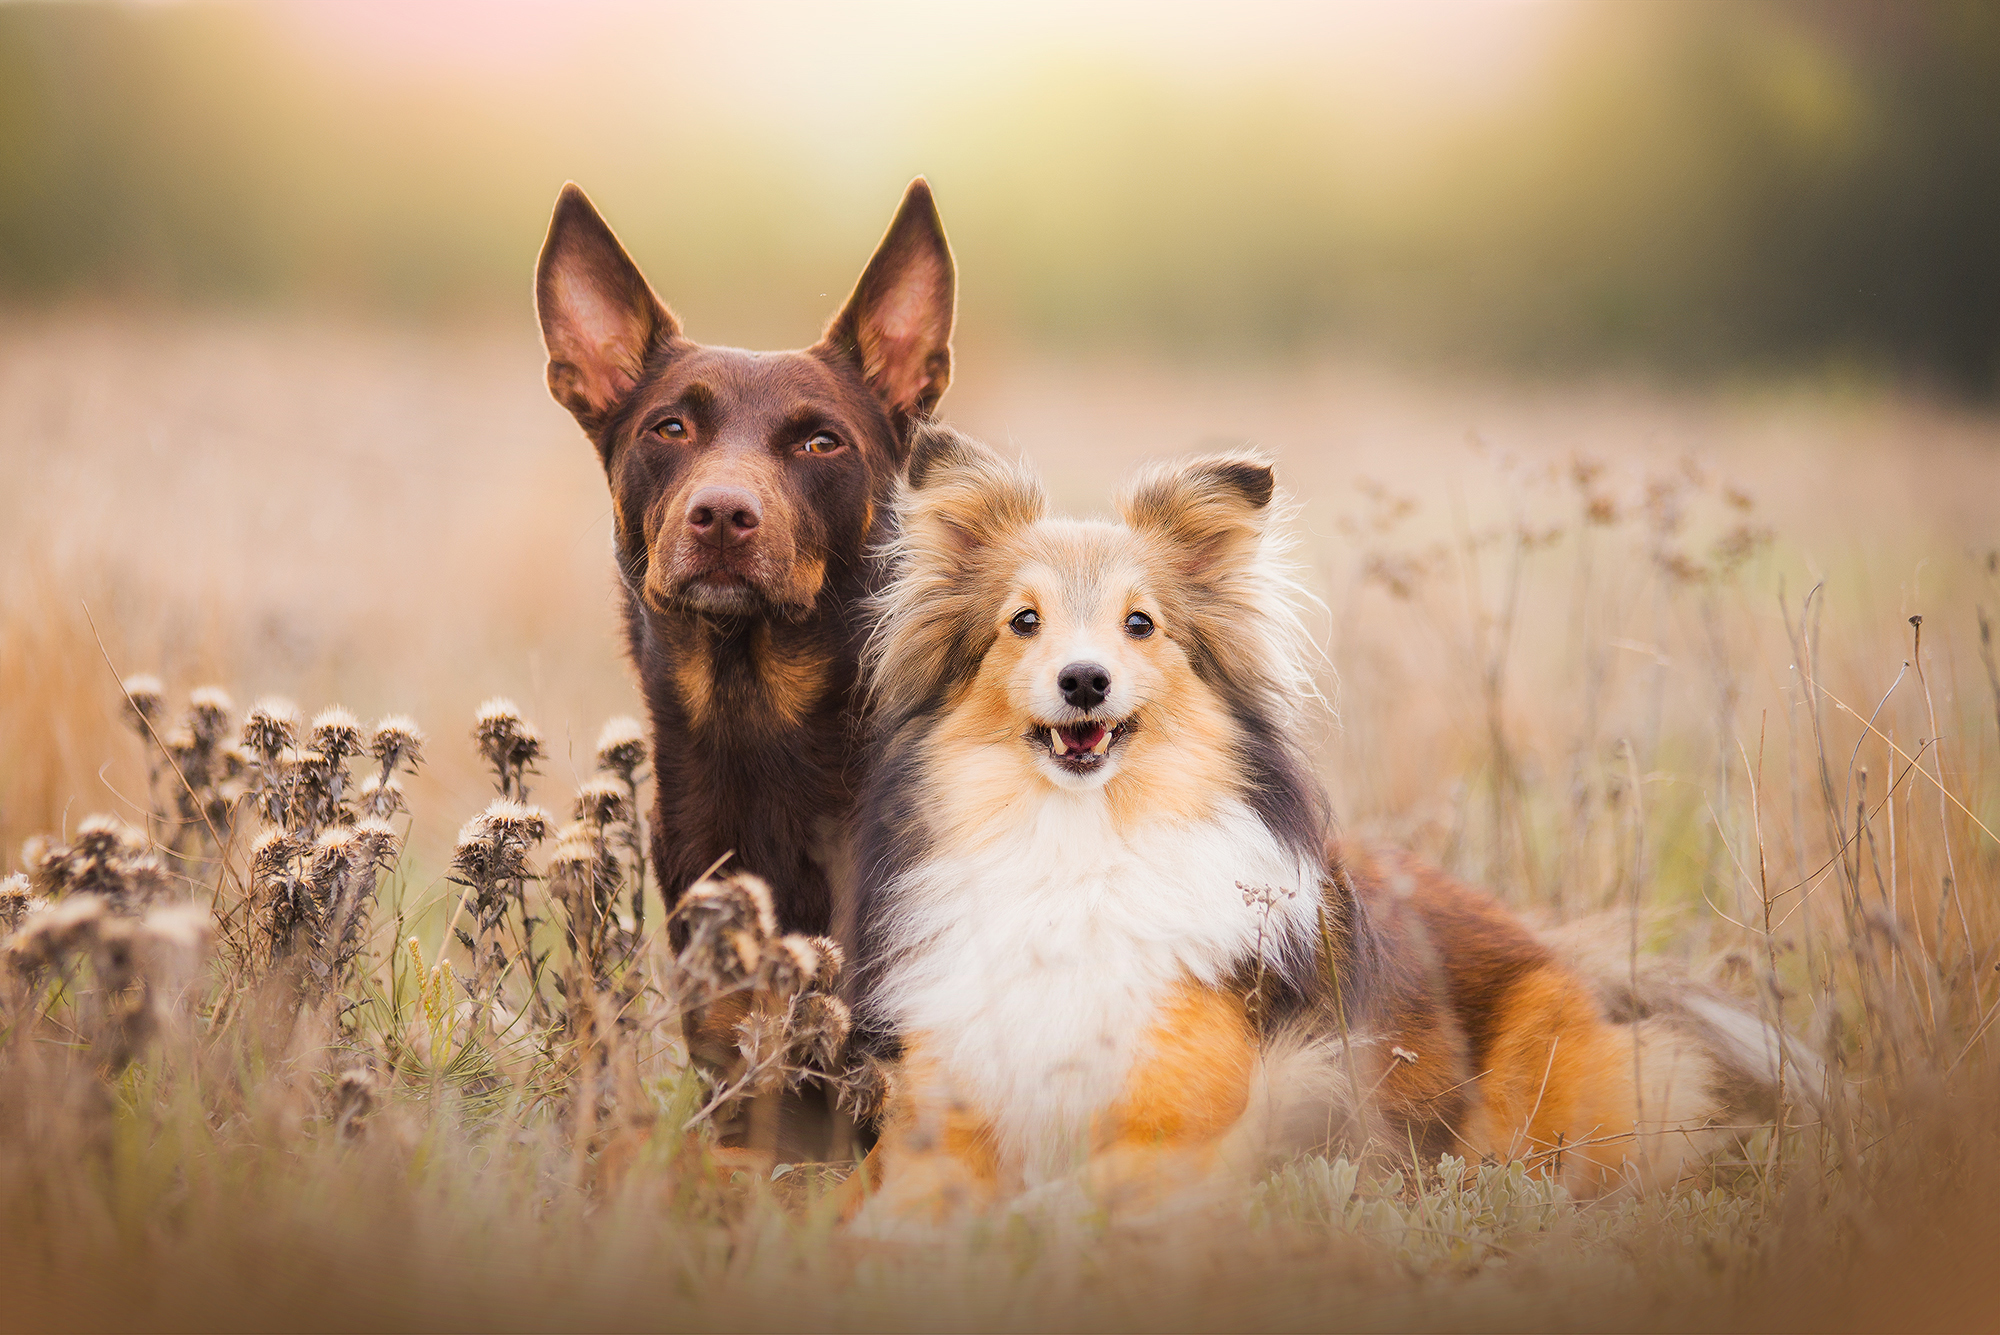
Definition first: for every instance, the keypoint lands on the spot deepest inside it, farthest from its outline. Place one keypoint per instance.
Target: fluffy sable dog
(1103, 935)
(746, 490)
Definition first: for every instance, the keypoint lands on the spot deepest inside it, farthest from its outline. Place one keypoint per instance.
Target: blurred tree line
(1700, 186)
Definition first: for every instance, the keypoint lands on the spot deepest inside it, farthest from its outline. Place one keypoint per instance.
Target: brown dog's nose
(724, 516)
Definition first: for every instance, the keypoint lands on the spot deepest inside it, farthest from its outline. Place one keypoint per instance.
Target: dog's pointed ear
(600, 318)
(1211, 512)
(959, 496)
(897, 323)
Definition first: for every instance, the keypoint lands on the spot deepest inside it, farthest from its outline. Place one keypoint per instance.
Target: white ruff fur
(1033, 954)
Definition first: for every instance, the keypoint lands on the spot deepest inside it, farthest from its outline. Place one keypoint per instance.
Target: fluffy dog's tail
(1750, 1056)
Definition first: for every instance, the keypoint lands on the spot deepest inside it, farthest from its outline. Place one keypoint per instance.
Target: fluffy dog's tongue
(1079, 737)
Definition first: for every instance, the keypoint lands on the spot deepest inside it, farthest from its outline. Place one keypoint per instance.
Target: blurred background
(1788, 186)
(1582, 331)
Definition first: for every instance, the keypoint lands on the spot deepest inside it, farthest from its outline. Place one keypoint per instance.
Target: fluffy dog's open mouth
(1079, 747)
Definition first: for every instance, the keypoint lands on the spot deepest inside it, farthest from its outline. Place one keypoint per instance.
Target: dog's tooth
(1056, 742)
(1103, 743)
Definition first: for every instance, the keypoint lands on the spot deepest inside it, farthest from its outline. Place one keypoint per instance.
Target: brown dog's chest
(754, 754)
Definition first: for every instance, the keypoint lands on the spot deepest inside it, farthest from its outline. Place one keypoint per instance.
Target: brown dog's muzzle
(727, 547)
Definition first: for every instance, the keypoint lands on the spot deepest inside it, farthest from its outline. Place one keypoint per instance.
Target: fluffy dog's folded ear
(1211, 513)
(960, 496)
(600, 318)
(897, 323)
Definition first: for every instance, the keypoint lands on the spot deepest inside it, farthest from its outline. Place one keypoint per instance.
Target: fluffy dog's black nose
(1084, 684)
(724, 516)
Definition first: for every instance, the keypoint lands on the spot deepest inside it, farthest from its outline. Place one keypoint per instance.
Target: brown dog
(747, 489)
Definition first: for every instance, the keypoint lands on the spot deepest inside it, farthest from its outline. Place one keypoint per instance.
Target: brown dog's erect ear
(897, 324)
(600, 319)
(1210, 511)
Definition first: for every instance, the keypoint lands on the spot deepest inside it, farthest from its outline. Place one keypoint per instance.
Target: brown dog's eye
(671, 429)
(1138, 625)
(822, 442)
(1026, 622)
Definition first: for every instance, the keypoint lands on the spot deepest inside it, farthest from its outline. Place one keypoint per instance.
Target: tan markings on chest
(1193, 1081)
(784, 686)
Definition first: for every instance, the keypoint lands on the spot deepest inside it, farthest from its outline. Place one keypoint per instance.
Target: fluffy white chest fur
(1034, 958)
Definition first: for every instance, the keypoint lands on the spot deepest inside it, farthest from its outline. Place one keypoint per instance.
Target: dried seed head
(108, 837)
(575, 850)
(621, 748)
(493, 845)
(16, 903)
(603, 801)
(209, 710)
(515, 821)
(271, 856)
(832, 963)
(398, 742)
(508, 741)
(373, 840)
(581, 869)
(382, 798)
(187, 751)
(336, 734)
(741, 901)
(145, 701)
(764, 1041)
(789, 966)
(236, 761)
(864, 1089)
(271, 727)
(109, 858)
(331, 855)
(820, 1025)
(57, 932)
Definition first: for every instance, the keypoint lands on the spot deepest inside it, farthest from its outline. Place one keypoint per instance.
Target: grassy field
(1639, 660)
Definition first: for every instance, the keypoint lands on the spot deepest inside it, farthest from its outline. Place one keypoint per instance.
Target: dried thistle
(336, 734)
(109, 858)
(739, 901)
(820, 1026)
(313, 787)
(382, 798)
(603, 801)
(272, 855)
(56, 932)
(621, 748)
(864, 1089)
(729, 926)
(17, 901)
(398, 743)
(209, 711)
(788, 967)
(271, 728)
(373, 841)
(145, 702)
(832, 963)
(509, 742)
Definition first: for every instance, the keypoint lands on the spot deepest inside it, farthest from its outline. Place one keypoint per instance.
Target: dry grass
(1608, 652)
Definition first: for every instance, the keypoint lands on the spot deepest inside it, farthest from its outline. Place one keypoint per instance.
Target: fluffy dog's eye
(671, 429)
(1026, 622)
(1138, 625)
(822, 442)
